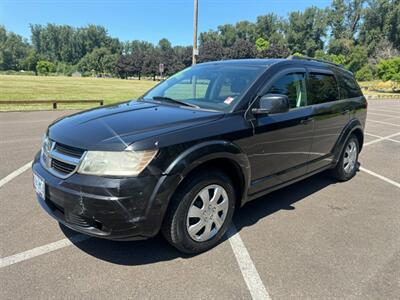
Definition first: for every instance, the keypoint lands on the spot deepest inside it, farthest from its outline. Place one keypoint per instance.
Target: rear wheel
(200, 212)
(347, 165)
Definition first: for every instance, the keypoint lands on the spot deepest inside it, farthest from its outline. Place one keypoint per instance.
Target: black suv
(197, 146)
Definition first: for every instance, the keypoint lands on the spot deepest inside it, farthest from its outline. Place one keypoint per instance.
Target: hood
(115, 127)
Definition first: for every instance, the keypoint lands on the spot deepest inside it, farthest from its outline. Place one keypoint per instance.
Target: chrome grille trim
(50, 156)
(70, 151)
(64, 158)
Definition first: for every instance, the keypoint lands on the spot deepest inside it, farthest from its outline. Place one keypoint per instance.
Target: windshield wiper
(162, 98)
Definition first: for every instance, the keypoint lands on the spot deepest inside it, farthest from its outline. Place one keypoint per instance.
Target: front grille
(68, 150)
(62, 167)
(59, 159)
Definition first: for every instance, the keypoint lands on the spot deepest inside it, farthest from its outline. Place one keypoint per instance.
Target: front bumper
(113, 208)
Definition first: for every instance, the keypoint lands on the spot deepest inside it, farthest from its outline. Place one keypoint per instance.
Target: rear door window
(322, 88)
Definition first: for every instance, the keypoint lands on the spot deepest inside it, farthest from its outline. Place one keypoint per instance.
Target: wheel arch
(353, 127)
(223, 154)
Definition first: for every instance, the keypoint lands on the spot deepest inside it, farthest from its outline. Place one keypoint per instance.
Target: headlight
(122, 163)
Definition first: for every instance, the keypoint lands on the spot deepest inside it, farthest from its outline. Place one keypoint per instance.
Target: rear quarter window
(323, 88)
(349, 87)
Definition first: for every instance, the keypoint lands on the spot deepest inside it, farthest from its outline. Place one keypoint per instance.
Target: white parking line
(246, 265)
(25, 121)
(16, 258)
(381, 138)
(20, 140)
(381, 122)
(383, 110)
(384, 115)
(14, 174)
(388, 180)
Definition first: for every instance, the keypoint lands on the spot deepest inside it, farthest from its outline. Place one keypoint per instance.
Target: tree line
(362, 35)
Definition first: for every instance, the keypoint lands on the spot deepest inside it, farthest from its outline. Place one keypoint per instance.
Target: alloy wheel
(350, 157)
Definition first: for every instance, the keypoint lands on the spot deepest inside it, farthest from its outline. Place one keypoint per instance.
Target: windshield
(210, 86)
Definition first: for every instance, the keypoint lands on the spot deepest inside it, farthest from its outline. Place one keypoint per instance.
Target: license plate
(39, 185)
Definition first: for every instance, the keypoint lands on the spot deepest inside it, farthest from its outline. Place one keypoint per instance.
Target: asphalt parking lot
(315, 239)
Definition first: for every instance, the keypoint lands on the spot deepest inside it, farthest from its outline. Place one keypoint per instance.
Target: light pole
(195, 50)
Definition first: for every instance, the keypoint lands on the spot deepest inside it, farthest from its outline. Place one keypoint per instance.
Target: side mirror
(272, 104)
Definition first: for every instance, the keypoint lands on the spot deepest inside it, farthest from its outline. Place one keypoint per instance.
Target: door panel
(280, 147)
(330, 116)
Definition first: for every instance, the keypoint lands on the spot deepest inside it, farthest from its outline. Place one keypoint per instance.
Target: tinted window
(323, 88)
(349, 87)
(292, 85)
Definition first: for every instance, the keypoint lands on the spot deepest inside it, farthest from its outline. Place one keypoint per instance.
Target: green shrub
(366, 73)
(389, 69)
(44, 67)
(65, 69)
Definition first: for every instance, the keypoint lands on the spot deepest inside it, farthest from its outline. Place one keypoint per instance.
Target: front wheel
(200, 212)
(347, 165)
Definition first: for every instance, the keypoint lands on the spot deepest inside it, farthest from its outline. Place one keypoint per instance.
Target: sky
(149, 20)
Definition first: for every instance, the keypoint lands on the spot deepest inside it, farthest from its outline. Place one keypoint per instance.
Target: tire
(347, 165)
(181, 214)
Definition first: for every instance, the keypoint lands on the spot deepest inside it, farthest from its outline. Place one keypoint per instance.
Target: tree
(69, 44)
(150, 63)
(246, 30)
(227, 34)
(99, 61)
(305, 31)
(344, 17)
(381, 21)
(341, 46)
(211, 51)
(182, 59)
(167, 56)
(29, 63)
(385, 50)
(275, 51)
(357, 59)
(339, 59)
(242, 49)
(268, 25)
(276, 48)
(209, 36)
(130, 64)
(13, 49)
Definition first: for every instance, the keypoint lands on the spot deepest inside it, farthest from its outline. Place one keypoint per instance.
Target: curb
(378, 97)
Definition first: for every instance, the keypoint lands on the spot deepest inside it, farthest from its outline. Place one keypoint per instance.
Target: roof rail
(313, 59)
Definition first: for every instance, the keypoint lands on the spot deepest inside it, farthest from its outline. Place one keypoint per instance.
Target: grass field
(15, 87)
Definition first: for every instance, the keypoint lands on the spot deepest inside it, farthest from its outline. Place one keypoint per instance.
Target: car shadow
(157, 249)
(282, 199)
